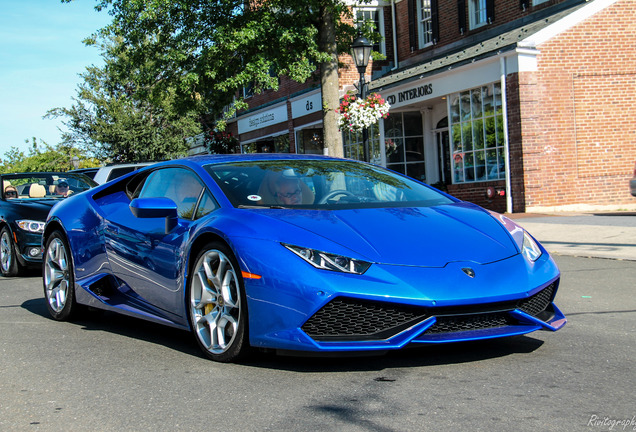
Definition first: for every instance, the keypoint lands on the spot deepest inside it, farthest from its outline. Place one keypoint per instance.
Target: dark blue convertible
(25, 201)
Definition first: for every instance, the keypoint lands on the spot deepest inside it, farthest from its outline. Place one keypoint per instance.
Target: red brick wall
(476, 193)
(286, 87)
(520, 126)
(505, 11)
(580, 141)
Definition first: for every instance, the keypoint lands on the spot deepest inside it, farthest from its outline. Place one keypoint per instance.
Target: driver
(62, 189)
(288, 191)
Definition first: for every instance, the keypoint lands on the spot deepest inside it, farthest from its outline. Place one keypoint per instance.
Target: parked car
(24, 205)
(88, 172)
(632, 183)
(110, 172)
(296, 253)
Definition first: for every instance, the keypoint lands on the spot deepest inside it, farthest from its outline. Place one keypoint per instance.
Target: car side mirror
(156, 208)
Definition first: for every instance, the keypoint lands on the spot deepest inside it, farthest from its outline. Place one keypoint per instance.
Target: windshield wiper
(243, 206)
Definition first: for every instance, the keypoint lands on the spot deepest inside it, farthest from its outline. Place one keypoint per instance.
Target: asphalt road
(107, 373)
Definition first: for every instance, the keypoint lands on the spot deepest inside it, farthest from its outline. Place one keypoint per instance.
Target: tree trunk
(329, 84)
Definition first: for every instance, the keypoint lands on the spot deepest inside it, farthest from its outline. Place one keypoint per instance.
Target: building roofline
(566, 23)
(494, 42)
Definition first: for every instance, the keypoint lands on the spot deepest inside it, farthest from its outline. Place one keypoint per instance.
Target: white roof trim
(566, 23)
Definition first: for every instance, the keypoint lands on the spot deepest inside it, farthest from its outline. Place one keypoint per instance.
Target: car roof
(228, 158)
(104, 174)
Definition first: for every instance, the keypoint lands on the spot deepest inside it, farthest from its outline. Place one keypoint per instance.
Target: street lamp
(361, 51)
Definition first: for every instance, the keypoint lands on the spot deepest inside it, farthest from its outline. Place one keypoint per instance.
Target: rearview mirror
(156, 208)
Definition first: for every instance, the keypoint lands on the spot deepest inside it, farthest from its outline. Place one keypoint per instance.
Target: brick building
(516, 105)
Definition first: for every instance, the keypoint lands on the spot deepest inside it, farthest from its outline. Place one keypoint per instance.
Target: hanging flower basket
(357, 114)
(221, 142)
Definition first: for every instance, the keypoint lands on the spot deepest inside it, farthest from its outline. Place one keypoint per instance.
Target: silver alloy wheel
(56, 275)
(6, 253)
(215, 301)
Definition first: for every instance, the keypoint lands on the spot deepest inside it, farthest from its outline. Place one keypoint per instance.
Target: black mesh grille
(539, 302)
(352, 319)
(448, 324)
(347, 319)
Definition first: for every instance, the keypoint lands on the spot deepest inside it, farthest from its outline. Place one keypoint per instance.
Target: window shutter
(434, 21)
(461, 15)
(412, 25)
(490, 11)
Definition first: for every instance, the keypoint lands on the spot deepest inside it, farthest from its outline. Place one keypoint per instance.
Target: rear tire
(9, 265)
(216, 304)
(58, 278)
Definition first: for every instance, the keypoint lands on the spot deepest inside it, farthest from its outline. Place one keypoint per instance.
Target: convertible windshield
(319, 184)
(50, 185)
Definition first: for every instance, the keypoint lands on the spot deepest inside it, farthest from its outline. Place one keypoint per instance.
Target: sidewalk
(597, 235)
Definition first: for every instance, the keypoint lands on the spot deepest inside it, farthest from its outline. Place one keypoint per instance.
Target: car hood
(33, 209)
(422, 236)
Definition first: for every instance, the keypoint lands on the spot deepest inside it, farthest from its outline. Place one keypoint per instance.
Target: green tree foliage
(43, 157)
(207, 51)
(119, 115)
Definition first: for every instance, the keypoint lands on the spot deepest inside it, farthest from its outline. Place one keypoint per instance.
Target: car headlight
(530, 249)
(31, 225)
(328, 261)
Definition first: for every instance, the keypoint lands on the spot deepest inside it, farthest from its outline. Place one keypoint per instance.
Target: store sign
(262, 119)
(306, 105)
(410, 94)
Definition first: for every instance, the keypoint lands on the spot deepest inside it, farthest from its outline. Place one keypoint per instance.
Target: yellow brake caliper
(210, 306)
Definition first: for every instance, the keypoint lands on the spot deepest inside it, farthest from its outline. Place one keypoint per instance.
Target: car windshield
(51, 185)
(319, 184)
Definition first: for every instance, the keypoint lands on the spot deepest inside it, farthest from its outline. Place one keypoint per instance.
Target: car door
(146, 258)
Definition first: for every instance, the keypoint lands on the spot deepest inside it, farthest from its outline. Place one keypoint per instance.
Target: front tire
(217, 306)
(58, 278)
(9, 266)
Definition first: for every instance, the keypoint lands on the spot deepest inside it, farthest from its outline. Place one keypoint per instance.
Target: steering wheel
(335, 193)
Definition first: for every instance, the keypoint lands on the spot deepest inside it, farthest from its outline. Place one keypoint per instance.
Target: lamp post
(360, 51)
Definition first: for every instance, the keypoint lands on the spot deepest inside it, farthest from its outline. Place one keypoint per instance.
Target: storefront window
(309, 141)
(477, 140)
(354, 149)
(277, 144)
(281, 143)
(404, 142)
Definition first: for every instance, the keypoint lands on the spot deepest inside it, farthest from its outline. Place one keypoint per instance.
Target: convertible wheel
(9, 265)
(58, 278)
(217, 305)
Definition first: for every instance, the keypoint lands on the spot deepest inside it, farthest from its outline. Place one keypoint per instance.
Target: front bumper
(391, 327)
(29, 248)
(298, 308)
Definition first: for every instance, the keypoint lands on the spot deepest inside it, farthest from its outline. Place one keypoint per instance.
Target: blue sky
(41, 57)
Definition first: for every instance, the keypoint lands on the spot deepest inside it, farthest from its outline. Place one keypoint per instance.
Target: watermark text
(611, 423)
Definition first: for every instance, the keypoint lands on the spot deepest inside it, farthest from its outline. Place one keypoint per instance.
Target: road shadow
(95, 320)
(625, 213)
(419, 356)
(182, 341)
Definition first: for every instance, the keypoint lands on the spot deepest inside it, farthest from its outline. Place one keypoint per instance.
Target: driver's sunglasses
(11, 193)
(289, 195)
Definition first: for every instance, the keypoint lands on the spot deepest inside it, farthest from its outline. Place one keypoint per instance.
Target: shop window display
(404, 142)
(309, 141)
(277, 144)
(477, 140)
(354, 149)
